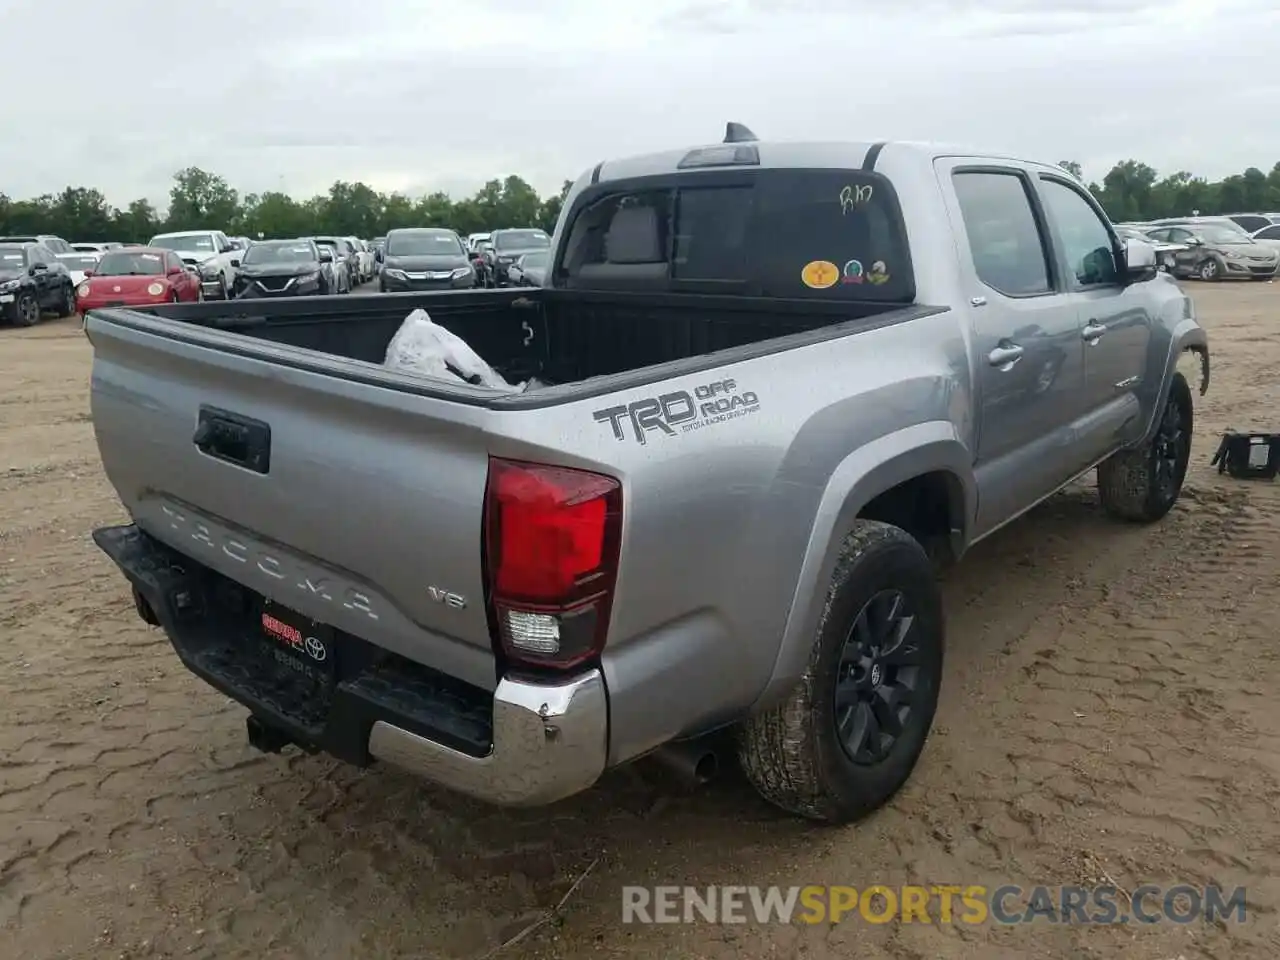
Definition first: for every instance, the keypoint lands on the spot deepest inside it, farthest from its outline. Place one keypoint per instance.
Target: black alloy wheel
(877, 678)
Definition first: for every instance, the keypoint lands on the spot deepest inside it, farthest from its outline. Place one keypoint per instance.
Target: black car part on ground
(1248, 456)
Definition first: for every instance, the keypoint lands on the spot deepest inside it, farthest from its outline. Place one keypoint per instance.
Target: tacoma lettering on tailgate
(208, 537)
(680, 411)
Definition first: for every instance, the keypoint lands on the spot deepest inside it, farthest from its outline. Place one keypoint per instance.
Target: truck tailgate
(362, 510)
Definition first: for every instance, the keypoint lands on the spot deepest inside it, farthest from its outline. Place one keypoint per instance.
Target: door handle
(1093, 331)
(1005, 355)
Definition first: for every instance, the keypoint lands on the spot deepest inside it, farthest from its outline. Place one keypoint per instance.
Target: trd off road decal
(679, 411)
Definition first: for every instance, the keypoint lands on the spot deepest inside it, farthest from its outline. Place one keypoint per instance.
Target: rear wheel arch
(923, 465)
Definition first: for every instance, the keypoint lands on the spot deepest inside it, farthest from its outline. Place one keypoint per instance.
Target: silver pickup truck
(777, 384)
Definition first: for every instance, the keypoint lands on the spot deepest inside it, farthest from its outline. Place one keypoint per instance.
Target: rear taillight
(552, 536)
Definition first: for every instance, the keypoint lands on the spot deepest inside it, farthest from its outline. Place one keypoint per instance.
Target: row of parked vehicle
(436, 258)
(1240, 246)
(45, 273)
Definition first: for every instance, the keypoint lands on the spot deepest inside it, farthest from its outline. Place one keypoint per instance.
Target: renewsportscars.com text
(945, 904)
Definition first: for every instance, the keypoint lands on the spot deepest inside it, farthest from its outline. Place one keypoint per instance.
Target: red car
(137, 276)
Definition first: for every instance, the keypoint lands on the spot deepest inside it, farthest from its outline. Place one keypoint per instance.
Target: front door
(1026, 340)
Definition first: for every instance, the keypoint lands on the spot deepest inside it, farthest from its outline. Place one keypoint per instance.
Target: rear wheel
(850, 733)
(28, 310)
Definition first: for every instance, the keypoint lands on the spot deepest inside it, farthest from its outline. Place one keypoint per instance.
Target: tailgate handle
(234, 439)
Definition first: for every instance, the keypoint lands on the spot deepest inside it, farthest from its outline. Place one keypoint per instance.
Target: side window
(1086, 241)
(1161, 235)
(1270, 233)
(1179, 236)
(1008, 251)
(44, 255)
(620, 240)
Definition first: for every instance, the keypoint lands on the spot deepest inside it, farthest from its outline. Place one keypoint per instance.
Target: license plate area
(298, 644)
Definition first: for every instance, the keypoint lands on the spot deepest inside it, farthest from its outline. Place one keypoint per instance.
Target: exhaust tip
(694, 762)
(706, 768)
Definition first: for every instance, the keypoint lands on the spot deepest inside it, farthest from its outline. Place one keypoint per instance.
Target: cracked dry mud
(1110, 711)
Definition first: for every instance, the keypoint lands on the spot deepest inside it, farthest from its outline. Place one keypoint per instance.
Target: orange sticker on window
(820, 274)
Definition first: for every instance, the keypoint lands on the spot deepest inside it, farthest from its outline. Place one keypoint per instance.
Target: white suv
(210, 252)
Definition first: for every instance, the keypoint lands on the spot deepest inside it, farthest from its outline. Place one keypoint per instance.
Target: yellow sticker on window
(820, 274)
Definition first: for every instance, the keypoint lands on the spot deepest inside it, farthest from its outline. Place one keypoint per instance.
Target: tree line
(1131, 190)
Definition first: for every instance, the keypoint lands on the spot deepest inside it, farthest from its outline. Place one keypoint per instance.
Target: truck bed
(563, 338)
(265, 442)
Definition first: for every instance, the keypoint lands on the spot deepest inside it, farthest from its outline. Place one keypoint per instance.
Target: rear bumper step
(528, 743)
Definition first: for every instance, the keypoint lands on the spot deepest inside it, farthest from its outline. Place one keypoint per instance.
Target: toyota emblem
(315, 648)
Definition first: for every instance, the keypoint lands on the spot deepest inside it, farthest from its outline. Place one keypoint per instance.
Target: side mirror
(326, 256)
(172, 271)
(1194, 242)
(235, 263)
(38, 268)
(88, 273)
(378, 255)
(1139, 260)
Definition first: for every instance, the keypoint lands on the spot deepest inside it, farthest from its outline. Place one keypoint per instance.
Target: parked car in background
(364, 259)
(1249, 222)
(284, 268)
(1218, 251)
(1142, 231)
(31, 281)
(210, 252)
(138, 276)
(95, 247)
(1269, 237)
(480, 262)
(425, 258)
(474, 240)
(50, 242)
(78, 263)
(344, 258)
(509, 246)
(530, 270)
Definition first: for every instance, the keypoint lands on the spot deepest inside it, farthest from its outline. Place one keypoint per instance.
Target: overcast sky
(419, 95)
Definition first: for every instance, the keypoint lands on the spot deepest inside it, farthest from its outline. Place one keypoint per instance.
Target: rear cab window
(790, 233)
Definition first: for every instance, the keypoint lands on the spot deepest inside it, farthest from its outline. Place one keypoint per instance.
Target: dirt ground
(1110, 714)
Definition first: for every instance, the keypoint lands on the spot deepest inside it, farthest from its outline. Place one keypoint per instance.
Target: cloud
(446, 95)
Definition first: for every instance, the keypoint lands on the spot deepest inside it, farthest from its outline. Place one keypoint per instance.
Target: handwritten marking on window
(852, 197)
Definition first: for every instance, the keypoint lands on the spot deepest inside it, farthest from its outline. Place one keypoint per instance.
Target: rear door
(1114, 315)
(1026, 336)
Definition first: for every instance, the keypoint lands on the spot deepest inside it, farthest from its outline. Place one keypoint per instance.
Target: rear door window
(1008, 250)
